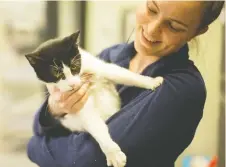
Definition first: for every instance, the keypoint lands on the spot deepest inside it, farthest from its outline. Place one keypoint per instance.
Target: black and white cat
(59, 62)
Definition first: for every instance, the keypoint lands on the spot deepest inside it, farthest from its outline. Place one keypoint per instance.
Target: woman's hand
(71, 101)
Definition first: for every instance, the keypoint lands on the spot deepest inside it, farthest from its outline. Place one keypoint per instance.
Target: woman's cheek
(142, 15)
(173, 39)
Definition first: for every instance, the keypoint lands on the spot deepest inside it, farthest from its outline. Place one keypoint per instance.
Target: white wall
(66, 18)
(104, 23)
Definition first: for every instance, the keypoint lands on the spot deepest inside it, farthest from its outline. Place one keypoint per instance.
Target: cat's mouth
(79, 79)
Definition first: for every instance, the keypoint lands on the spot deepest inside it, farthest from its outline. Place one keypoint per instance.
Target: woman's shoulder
(187, 82)
(113, 53)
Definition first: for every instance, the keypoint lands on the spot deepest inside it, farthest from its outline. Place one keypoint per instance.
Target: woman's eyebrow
(155, 4)
(177, 21)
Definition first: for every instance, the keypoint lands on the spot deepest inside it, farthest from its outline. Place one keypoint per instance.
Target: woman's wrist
(54, 110)
(58, 114)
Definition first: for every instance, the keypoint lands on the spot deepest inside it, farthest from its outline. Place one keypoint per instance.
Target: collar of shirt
(158, 68)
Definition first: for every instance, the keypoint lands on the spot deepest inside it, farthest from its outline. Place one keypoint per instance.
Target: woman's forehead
(186, 11)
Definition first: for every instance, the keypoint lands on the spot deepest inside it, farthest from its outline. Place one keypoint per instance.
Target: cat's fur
(61, 61)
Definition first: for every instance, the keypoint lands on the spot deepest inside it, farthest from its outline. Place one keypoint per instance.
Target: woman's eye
(152, 11)
(173, 28)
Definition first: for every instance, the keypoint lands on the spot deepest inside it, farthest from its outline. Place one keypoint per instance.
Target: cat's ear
(32, 59)
(75, 36)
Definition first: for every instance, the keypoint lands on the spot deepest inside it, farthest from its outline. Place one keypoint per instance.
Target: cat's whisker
(76, 65)
(55, 67)
(75, 59)
(77, 55)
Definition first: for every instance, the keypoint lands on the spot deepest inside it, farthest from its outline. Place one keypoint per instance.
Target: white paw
(115, 157)
(155, 82)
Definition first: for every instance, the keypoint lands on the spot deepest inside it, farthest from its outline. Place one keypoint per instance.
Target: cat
(60, 61)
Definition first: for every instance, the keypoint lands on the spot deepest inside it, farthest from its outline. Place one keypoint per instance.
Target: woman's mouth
(147, 42)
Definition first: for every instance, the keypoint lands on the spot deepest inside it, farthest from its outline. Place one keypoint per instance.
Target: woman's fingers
(74, 98)
(79, 105)
(66, 95)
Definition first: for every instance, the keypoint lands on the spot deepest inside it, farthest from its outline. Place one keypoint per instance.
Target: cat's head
(51, 58)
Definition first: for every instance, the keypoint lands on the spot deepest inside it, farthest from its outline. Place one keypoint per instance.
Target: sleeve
(46, 124)
(160, 124)
(104, 55)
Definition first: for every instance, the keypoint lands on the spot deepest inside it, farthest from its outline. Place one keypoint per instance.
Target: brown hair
(212, 10)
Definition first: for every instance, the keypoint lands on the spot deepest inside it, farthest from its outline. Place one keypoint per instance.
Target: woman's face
(163, 27)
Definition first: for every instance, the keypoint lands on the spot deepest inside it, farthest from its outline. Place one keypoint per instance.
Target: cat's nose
(74, 81)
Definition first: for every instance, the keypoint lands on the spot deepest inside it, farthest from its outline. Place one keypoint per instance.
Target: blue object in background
(187, 160)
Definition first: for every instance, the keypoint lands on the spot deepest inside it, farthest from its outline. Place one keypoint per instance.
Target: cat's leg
(121, 75)
(72, 122)
(118, 74)
(94, 125)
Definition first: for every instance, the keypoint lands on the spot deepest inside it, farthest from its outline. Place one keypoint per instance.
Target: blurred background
(25, 25)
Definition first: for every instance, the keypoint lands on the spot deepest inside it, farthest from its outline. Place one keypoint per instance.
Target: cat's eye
(73, 67)
(57, 72)
(75, 64)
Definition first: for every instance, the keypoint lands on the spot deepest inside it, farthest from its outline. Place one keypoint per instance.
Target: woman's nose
(154, 29)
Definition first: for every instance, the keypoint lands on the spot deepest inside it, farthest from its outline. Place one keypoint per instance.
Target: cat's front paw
(115, 157)
(155, 82)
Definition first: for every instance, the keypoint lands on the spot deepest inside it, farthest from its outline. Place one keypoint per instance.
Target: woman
(152, 127)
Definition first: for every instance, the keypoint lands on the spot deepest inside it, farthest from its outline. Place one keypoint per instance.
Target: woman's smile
(147, 43)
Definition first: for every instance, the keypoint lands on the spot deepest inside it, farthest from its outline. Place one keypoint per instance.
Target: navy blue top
(152, 128)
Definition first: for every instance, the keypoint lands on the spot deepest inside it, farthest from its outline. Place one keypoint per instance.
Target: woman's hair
(212, 10)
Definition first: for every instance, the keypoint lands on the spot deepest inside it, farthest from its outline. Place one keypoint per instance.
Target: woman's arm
(158, 124)
(46, 124)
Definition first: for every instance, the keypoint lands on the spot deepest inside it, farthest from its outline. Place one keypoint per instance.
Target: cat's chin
(62, 86)
(65, 88)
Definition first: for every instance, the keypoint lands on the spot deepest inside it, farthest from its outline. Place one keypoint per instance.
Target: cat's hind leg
(96, 126)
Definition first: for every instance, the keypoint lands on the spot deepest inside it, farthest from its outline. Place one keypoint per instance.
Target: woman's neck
(140, 62)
